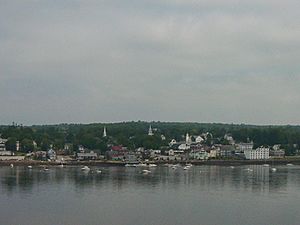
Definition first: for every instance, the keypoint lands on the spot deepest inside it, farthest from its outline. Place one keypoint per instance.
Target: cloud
(206, 61)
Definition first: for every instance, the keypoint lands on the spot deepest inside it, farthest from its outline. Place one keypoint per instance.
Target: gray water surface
(208, 195)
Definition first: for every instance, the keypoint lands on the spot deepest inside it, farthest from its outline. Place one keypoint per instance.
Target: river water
(208, 195)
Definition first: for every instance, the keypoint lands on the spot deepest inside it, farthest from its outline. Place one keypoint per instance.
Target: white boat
(46, 169)
(152, 165)
(232, 167)
(130, 165)
(29, 167)
(146, 171)
(98, 171)
(266, 165)
(289, 164)
(273, 169)
(249, 170)
(186, 167)
(142, 165)
(85, 168)
(189, 164)
(174, 167)
(11, 165)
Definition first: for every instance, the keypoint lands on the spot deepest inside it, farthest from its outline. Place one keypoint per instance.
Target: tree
(11, 144)
(27, 145)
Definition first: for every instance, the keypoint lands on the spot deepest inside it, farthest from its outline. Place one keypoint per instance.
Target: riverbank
(120, 163)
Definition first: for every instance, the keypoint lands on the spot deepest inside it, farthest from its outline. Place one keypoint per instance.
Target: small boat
(174, 167)
(11, 165)
(142, 165)
(273, 169)
(130, 165)
(46, 169)
(189, 164)
(85, 168)
(232, 167)
(186, 167)
(146, 171)
(152, 165)
(98, 171)
(249, 170)
(289, 164)
(29, 167)
(266, 165)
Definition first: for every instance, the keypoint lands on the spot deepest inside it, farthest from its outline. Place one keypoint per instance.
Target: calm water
(123, 196)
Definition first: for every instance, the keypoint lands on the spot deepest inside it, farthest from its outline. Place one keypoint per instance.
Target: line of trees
(134, 135)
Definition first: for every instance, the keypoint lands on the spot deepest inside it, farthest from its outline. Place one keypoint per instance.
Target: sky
(72, 61)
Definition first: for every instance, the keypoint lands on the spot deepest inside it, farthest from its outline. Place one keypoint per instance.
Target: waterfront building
(87, 155)
(2, 144)
(259, 153)
(184, 147)
(51, 154)
(278, 153)
(199, 155)
(227, 151)
(18, 146)
(241, 147)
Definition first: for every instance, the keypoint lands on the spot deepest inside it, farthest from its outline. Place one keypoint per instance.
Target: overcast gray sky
(231, 61)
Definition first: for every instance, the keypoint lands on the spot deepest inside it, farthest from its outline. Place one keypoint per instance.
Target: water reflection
(255, 178)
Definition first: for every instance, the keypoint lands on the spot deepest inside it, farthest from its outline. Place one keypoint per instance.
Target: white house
(184, 147)
(241, 147)
(172, 142)
(199, 139)
(2, 144)
(259, 153)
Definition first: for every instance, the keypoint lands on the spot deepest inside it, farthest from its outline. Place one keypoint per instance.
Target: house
(51, 154)
(131, 157)
(229, 138)
(199, 139)
(199, 155)
(154, 153)
(87, 155)
(227, 151)
(259, 153)
(172, 142)
(278, 153)
(40, 155)
(2, 144)
(117, 152)
(184, 147)
(241, 147)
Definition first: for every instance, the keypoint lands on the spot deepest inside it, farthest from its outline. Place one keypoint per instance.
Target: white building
(259, 153)
(104, 132)
(199, 139)
(188, 139)
(184, 147)
(241, 147)
(172, 142)
(150, 132)
(2, 144)
(229, 138)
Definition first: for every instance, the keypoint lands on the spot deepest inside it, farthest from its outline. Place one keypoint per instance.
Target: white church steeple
(150, 132)
(104, 132)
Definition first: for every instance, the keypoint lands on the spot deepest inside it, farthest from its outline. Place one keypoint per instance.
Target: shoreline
(119, 163)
